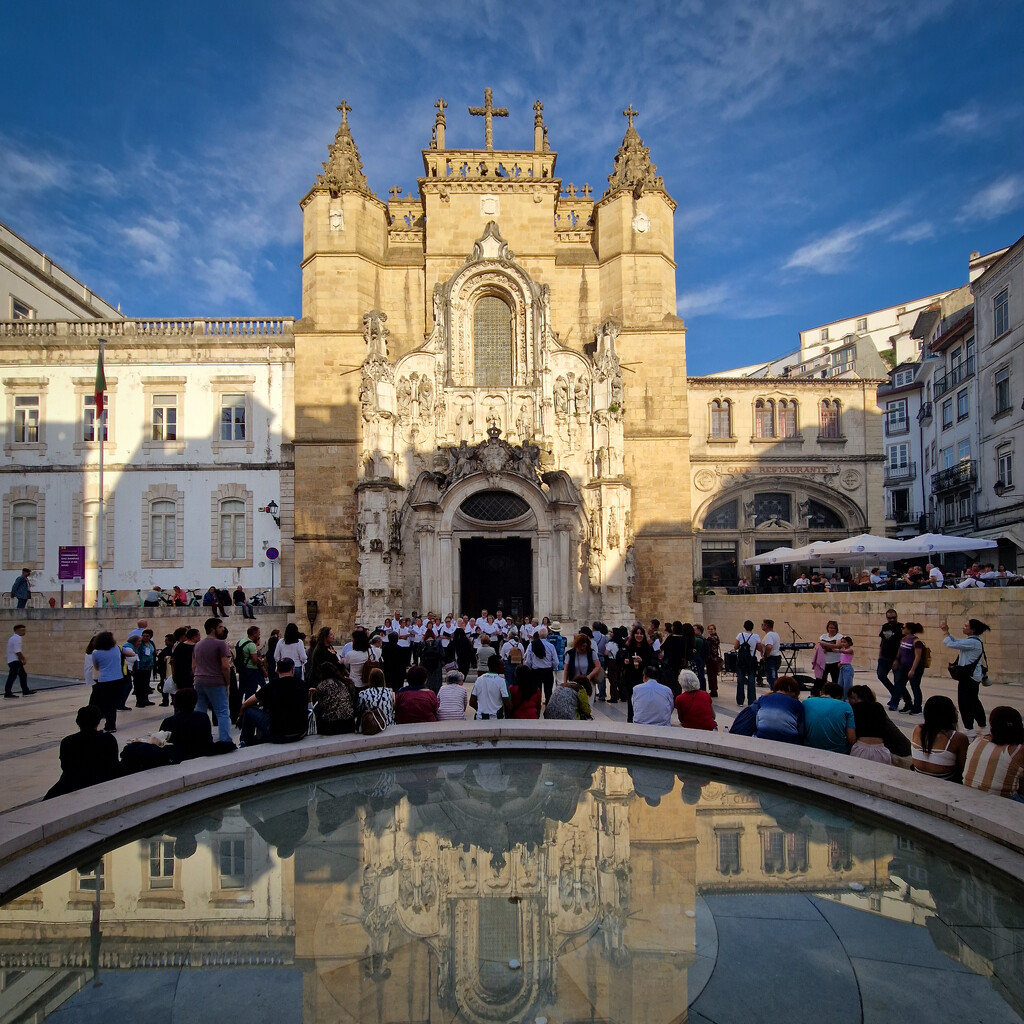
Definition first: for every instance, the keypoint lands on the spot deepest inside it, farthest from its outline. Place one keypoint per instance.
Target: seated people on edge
(995, 762)
(828, 720)
(652, 700)
(567, 700)
(452, 697)
(780, 715)
(939, 749)
(693, 705)
(87, 756)
(190, 730)
(525, 694)
(872, 723)
(801, 583)
(277, 712)
(415, 702)
(334, 701)
(376, 700)
(490, 698)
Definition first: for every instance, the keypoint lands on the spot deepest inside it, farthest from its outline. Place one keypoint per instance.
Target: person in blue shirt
(828, 720)
(780, 715)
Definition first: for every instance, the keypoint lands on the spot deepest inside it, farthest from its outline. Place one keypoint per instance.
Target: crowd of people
(415, 670)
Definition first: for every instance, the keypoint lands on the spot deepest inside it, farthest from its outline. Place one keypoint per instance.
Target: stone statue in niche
(617, 395)
(803, 508)
(404, 393)
(425, 395)
(495, 408)
(561, 398)
(748, 512)
(629, 567)
(595, 529)
(627, 528)
(594, 566)
(395, 531)
(375, 334)
(464, 419)
(613, 531)
(605, 358)
(524, 421)
(581, 393)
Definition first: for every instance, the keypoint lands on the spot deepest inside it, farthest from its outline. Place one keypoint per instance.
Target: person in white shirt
(652, 700)
(488, 626)
(529, 628)
(935, 576)
(490, 698)
(501, 622)
(876, 579)
(801, 583)
(542, 659)
(446, 631)
(770, 655)
(405, 634)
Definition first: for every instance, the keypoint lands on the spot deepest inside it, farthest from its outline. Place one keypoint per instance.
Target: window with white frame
(1001, 312)
(1004, 464)
(902, 377)
(165, 418)
(963, 404)
(947, 458)
(232, 417)
(721, 419)
(23, 532)
(947, 413)
(899, 456)
(787, 418)
(21, 310)
(963, 450)
(964, 505)
(1002, 385)
(830, 424)
(232, 524)
(764, 419)
(823, 335)
(163, 530)
(161, 864)
(26, 419)
(90, 429)
(862, 324)
(232, 864)
(728, 851)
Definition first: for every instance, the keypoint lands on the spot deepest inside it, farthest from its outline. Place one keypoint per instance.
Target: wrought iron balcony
(964, 472)
(903, 516)
(924, 414)
(900, 474)
(956, 375)
(896, 424)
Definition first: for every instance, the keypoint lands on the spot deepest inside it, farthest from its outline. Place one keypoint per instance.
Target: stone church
(490, 387)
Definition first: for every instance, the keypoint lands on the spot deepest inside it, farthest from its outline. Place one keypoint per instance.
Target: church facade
(490, 381)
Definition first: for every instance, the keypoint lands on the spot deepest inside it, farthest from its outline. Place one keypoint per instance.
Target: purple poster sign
(71, 563)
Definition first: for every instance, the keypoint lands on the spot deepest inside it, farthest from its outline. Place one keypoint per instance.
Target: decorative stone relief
(633, 169)
(343, 168)
(704, 480)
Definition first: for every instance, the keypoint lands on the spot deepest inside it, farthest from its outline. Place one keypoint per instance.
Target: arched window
(232, 529)
(492, 342)
(787, 419)
(163, 530)
(830, 423)
(764, 418)
(23, 531)
(821, 517)
(723, 517)
(721, 418)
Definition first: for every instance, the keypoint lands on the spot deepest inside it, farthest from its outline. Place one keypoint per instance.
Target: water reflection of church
(495, 891)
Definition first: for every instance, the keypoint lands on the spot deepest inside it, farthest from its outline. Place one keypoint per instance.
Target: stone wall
(861, 615)
(55, 641)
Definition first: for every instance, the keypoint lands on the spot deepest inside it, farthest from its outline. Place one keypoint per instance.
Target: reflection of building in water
(494, 891)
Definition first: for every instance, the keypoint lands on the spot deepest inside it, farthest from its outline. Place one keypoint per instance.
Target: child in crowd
(846, 665)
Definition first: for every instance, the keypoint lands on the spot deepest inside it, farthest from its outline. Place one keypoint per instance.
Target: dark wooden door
(497, 573)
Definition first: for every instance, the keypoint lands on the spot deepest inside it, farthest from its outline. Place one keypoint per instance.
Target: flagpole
(100, 414)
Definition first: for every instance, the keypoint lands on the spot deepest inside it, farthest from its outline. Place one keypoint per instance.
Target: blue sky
(828, 158)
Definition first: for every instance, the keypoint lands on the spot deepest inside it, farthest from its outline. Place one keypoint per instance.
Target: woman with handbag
(968, 671)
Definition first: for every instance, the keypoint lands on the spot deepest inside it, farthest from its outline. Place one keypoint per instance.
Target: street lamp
(271, 508)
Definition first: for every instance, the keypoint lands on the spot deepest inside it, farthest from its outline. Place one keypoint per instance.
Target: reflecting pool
(505, 889)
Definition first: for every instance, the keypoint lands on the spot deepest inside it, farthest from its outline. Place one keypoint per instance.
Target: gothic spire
(633, 169)
(343, 168)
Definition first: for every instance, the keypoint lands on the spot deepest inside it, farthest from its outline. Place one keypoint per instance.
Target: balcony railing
(903, 516)
(924, 414)
(896, 425)
(900, 474)
(964, 472)
(953, 377)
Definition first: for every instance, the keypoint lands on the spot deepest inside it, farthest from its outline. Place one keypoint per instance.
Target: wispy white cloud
(828, 254)
(913, 233)
(710, 299)
(153, 243)
(224, 281)
(994, 200)
(974, 120)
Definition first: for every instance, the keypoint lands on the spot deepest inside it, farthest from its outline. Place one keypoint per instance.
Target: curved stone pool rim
(40, 837)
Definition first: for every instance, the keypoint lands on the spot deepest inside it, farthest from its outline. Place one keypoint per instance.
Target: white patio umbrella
(778, 556)
(865, 547)
(937, 543)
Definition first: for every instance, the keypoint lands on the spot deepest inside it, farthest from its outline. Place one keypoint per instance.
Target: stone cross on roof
(345, 109)
(488, 111)
(630, 113)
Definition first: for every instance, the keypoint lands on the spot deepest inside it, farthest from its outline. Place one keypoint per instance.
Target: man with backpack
(249, 665)
(746, 662)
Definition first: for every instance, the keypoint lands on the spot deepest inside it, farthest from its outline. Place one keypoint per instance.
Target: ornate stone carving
(705, 480)
(376, 335)
(343, 168)
(493, 457)
(491, 246)
(561, 398)
(581, 397)
(633, 169)
(524, 420)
